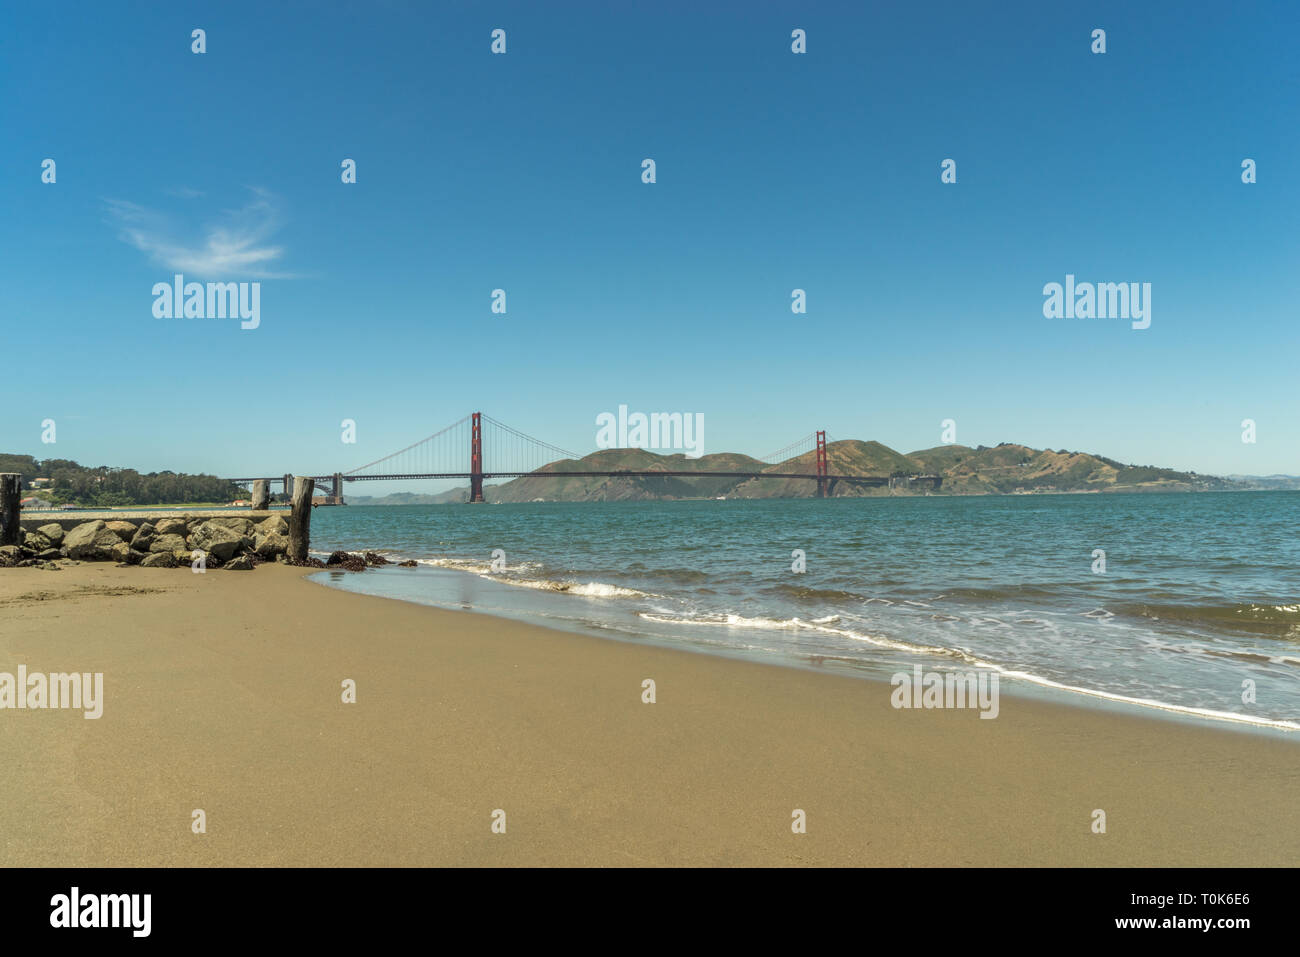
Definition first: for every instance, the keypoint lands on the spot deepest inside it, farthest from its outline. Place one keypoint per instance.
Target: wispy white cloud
(236, 245)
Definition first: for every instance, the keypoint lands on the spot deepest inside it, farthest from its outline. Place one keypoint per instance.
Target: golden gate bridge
(478, 447)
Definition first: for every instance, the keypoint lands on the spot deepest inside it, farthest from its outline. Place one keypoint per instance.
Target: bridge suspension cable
(413, 445)
(528, 439)
(797, 447)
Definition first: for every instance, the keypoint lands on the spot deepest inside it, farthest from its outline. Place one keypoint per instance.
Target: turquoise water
(1201, 592)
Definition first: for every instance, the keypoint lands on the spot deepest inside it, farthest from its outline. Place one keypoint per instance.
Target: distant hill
(846, 457)
(406, 498)
(1266, 481)
(998, 470)
(1009, 468)
(627, 488)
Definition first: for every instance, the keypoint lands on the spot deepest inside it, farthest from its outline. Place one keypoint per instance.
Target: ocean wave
(1281, 620)
(729, 621)
(808, 593)
(582, 589)
(511, 575)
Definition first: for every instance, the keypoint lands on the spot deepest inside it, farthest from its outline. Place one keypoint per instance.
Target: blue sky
(775, 171)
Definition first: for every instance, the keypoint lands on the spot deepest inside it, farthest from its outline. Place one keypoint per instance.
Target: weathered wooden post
(288, 487)
(261, 495)
(300, 518)
(11, 494)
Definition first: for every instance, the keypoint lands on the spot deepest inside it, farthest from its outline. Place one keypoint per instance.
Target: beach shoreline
(1032, 687)
(223, 693)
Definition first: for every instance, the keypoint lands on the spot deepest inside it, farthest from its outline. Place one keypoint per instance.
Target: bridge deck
(648, 473)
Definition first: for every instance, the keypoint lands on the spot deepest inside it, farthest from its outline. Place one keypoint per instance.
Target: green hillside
(1009, 468)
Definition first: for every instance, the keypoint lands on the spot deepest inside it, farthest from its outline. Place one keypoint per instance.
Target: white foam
(1091, 692)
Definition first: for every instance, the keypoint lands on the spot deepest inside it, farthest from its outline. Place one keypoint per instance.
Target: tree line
(104, 486)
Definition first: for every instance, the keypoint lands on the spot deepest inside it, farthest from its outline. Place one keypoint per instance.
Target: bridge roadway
(876, 480)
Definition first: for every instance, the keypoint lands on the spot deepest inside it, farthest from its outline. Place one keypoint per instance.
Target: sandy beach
(222, 692)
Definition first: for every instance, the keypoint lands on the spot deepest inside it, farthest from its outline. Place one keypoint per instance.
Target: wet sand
(223, 693)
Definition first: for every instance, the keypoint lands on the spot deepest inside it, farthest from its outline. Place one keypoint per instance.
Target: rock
(167, 543)
(10, 555)
(348, 561)
(275, 525)
(120, 552)
(170, 526)
(409, 563)
(373, 558)
(134, 557)
(49, 554)
(271, 544)
(53, 533)
(123, 530)
(241, 564)
(218, 540)
(94, 541)
(35, 540)
(82, 535)
(158, 560)
(143, 538)
(242, 526)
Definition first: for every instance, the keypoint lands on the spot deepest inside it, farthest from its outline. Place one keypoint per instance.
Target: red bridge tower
(476, 459)
(821, 465)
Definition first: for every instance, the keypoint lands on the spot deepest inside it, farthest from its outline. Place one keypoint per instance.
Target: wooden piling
(300, 517)
(261, 495)
(11, 494)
